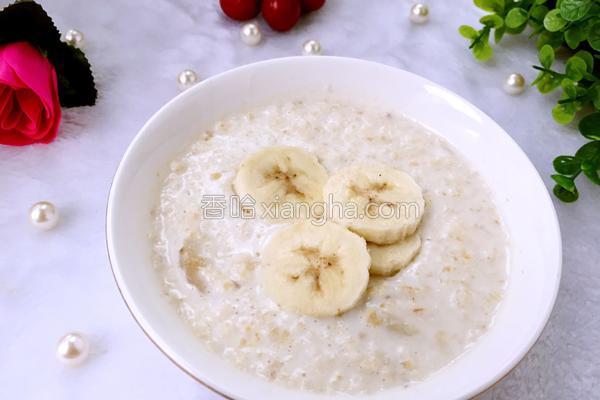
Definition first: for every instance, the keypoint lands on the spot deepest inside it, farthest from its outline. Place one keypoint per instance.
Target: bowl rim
(475, 391)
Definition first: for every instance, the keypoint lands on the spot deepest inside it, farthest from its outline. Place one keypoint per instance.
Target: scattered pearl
(43, 215)
(419, 13)
(514, 84)
(72, 349)
(311, 48)
(186, 79)
(251, 34)
(74, 38)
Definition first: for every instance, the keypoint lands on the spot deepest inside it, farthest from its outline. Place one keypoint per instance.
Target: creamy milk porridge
(405, 327)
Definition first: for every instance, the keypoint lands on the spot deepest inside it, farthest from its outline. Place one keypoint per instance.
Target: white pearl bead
(419, 13)
(251, 34)
(311, 48)
(186, 79)
(72, 349)
(43, 215)
(73, 37)
(514, 84)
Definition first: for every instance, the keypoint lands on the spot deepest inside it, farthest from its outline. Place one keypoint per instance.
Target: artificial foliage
(571, 25)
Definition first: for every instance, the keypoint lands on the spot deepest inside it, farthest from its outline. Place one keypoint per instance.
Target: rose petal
(32, 112)
(11, 120)
(30, 70)
(6, 100)
(29, 104)
(8, 77)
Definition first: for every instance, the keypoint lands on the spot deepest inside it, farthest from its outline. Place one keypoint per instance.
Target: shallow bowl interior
(522, 200)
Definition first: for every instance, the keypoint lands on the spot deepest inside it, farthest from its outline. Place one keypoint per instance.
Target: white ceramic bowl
(521, 197)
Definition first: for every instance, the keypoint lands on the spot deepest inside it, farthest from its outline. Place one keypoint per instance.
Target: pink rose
(29, 105)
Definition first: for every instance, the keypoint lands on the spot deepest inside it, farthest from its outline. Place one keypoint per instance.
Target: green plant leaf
(590, 170)
(576, 34)
(498, 34)
(490, 5)
(569, 88)
(589, 151)
(546, 83)
(575, 68)
(538, 13)
(553, 39)
(467, 32)
(553, 21)
(565, 195)
(588, 58)
(539, 1)
(574, 10)
(567, 165)
(482, 49)
(565, 182)
(595, 94)
(546, 56)
(492, 20)
(516, 31)
(516, 18)
(594, 37)
(564, 113)
(589, 126)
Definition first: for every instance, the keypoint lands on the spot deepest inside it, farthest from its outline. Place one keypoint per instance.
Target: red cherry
(240, 10)
(311, 5)
(281, 15)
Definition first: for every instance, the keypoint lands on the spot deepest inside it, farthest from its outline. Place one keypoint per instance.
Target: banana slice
(276, 175)
(315, 270)
(388, 202)
(388, 259)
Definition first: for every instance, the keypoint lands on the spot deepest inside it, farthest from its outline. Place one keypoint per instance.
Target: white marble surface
(58, 281)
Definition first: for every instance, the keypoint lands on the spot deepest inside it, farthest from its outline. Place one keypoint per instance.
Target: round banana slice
(315, 270)
(277, 175)
(388, 259)
(378, 202)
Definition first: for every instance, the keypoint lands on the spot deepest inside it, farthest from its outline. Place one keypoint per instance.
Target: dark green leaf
(575, 68)
(574, 10)
(567, 165)
(589, 151)
(467, 32)
(538, 13)
(594, 38)
(590, 169)
(516, 17)
(540, 1)
(576, 34)
(565, 182)
(595, 94)
(553, 39)
(565, 195)
(588, 58)
(546, 56)
(553, 22)
(492, 20)
(27, 21)
(589, 126)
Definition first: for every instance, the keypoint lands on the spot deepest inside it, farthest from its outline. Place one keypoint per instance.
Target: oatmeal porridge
(419, 292)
